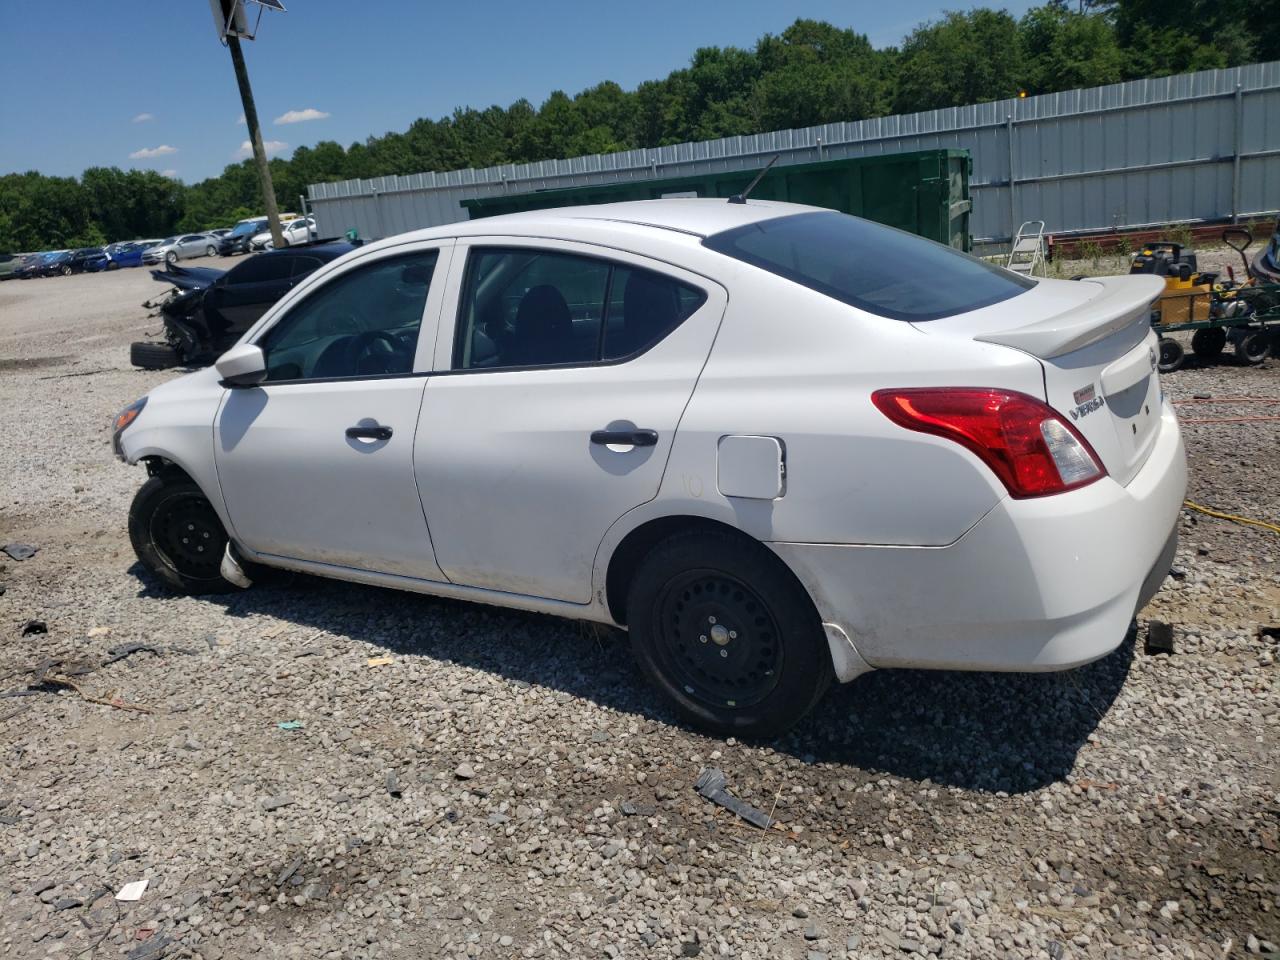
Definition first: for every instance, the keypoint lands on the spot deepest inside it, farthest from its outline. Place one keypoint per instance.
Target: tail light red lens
(1033, 450)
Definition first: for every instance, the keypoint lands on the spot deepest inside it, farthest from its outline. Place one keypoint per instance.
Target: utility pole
(255, 139)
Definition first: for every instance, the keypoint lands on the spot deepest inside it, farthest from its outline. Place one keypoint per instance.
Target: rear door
(563, 372)
(249, 290)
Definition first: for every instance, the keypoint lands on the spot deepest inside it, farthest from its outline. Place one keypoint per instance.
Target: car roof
(325, 251)
(696, 217)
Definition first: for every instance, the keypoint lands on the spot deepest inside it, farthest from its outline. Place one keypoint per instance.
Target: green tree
(1064, 49)
(963, 58)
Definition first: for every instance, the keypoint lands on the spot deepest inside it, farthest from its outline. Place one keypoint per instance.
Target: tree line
(809, 74)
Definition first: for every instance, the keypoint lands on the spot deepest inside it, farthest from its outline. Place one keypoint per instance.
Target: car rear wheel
(171, 257)
(177, 535)
(1172, 355)
(153, 356)
(723, 628)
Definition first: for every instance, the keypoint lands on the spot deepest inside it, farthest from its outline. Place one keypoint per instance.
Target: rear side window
(261, 269)
(867, 265)
(523, 307)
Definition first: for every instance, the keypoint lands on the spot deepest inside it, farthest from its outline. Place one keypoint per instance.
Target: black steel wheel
(717, 639)
(1172, 355)
(722, 626)
(177, 534)
(1208, 343)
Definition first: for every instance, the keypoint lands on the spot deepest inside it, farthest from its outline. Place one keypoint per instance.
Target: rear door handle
(369, 433)
(627, 438)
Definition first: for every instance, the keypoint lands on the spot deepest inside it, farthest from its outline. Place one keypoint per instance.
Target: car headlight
(122, 421)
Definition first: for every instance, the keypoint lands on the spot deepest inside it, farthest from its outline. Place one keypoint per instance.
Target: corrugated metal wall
(1199, 146)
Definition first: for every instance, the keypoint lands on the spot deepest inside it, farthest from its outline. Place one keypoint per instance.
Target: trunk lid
(1094, 341)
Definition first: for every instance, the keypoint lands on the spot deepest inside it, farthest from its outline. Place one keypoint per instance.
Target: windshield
(249, 228)
(867, 265)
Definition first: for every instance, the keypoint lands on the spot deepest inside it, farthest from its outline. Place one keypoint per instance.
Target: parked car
(778, 444)
(208, 310)
(127, 254)
(87, 260)
(9, 265)
(300, 231)
(181, 248)
(237, 241)
(51, 265)
(260, 241)
(30, 266)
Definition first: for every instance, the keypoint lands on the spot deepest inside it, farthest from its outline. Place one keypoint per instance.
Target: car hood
(187, 278)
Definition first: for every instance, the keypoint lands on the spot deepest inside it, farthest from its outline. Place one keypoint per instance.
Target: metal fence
(1194, 147)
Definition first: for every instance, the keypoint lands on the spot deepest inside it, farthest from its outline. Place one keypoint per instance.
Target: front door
(567, 376)
(316, 463)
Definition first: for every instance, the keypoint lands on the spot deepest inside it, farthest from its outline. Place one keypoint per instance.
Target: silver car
(182, 248)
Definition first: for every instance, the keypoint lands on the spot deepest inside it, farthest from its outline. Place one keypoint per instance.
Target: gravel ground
(506, 786)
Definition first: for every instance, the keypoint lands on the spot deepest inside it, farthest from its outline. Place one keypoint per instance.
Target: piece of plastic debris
(128, 650)
(34, 626)
(133, 890)
(379, 661)
(291, 725)
(1159, 638)
(393, 784)
(711, 786)
(20, 551)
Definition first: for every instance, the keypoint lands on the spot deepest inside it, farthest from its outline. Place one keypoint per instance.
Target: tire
(209, 251)
(1207, 344)
(171, 257)
(1172, 355)
(67, 271)
(153, 356)
(762, 662)
(1253, 347)
(177, 535)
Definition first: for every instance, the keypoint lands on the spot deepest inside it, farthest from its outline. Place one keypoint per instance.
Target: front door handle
(369, 433)
(626, 438)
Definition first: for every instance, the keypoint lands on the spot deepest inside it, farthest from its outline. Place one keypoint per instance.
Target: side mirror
(242, 366)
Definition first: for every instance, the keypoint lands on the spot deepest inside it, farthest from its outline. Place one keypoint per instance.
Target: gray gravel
(507, 785)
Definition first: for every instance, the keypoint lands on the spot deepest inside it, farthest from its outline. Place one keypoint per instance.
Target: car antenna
(742, 197)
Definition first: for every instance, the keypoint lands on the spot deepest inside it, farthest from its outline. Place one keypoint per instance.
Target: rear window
(875, 268)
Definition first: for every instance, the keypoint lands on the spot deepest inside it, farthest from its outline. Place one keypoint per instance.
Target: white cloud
(147, 153)
(301, 116)
(241, 121)
(171, 174)
(144, 117)
(271, 146)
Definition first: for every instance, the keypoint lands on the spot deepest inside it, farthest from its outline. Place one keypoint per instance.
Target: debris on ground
(132, 890)
(291, 725)
(711, 785)
(20, 551)
(1159, 638)
(379, 661)
(34, 626)
(118, 653)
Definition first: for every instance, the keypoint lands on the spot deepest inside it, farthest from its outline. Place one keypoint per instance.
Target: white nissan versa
(780, 445)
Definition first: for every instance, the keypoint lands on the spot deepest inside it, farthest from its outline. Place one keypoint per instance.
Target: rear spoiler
(1120, 302)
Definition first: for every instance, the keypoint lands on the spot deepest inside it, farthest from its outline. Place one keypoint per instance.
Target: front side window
(867, 265)
(523, 307)
(364, 323)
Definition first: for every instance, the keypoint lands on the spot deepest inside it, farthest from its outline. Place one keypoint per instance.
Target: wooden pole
(255, 138)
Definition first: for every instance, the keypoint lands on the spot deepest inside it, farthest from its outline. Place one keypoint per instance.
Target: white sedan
(779, 445)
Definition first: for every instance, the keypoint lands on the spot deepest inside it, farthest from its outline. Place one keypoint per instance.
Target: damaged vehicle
(779, 445)
(206, 310)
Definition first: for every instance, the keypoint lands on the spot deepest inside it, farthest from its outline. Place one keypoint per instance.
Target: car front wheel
(209, 251)
(177, 535)
(171, 257)
(723, 628)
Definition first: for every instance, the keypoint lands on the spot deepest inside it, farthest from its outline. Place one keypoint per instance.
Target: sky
(148, 85)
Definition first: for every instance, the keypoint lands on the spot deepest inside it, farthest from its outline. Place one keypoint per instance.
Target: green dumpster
(924, 192)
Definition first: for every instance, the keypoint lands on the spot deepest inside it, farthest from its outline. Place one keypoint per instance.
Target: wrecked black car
(206, 310)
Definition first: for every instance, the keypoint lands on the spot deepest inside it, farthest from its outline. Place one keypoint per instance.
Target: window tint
(364, 323)
(305, 265)
(870, 266)
(260, 269)
(523, 307)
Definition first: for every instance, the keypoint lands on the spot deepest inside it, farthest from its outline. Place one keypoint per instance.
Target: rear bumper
(1041, 584)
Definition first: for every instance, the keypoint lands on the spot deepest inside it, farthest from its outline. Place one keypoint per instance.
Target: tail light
(1024, 441)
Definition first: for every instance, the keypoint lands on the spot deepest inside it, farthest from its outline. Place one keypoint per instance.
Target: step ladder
(1026, 256)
